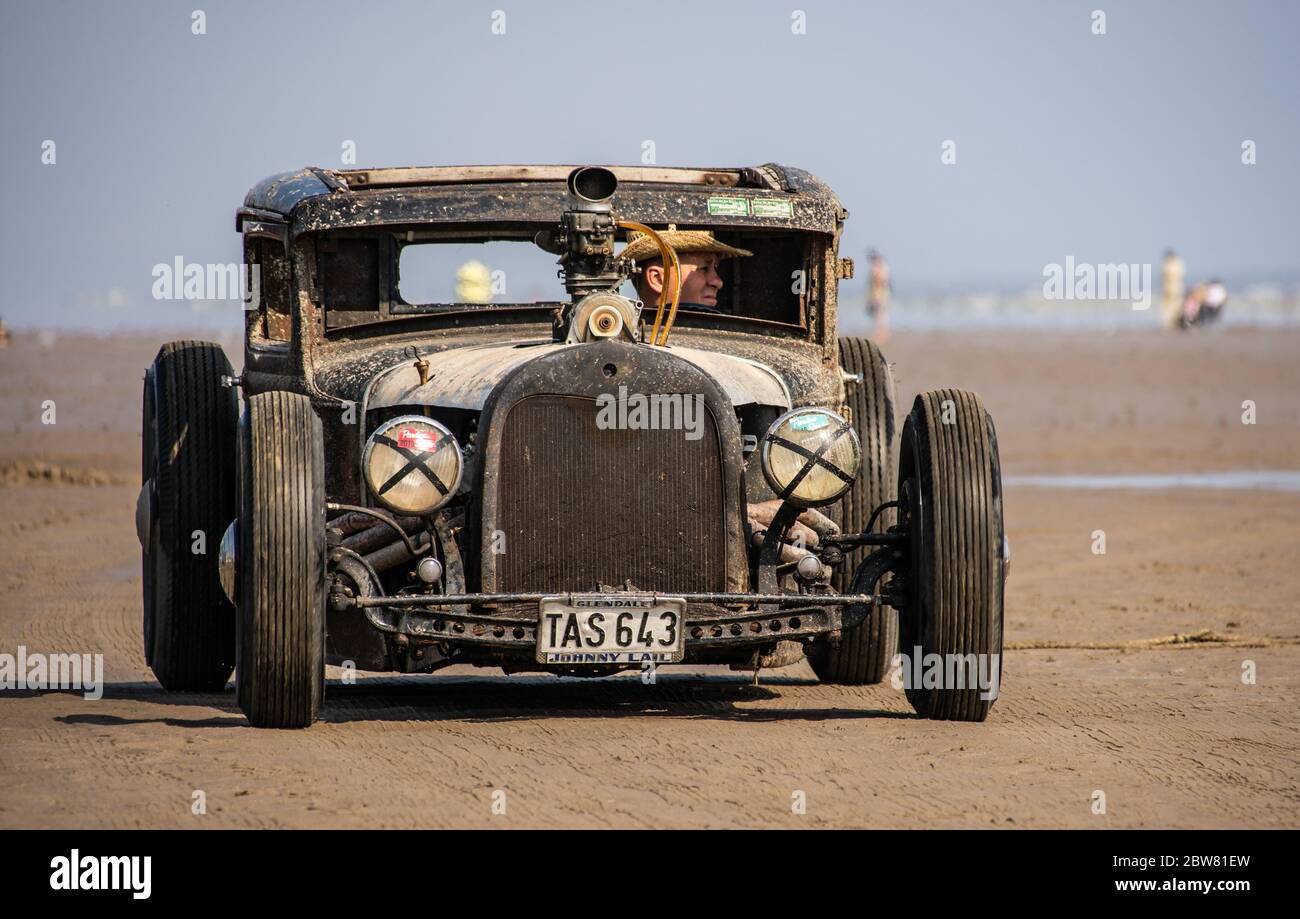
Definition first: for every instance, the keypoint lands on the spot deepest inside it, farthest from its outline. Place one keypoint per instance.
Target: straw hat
(641, 248)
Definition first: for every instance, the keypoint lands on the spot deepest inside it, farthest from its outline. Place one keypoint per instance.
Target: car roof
(770, 196)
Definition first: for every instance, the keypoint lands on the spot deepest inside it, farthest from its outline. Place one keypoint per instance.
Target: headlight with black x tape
(413, 465)
(810, 456)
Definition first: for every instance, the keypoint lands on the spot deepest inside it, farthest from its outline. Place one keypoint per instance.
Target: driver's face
(700, 279)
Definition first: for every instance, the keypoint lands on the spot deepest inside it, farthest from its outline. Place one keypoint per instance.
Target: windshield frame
(394, 309)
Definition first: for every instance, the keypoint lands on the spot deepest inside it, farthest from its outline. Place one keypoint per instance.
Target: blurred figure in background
(1173, 279)
(879, 289)
(473, 283)
(1204, 304)
(1216, 295)
(1192, 306)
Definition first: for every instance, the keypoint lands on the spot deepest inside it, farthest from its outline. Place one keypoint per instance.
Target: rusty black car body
(547, 507)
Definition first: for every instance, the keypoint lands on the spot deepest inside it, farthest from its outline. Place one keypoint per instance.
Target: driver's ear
(654, 277)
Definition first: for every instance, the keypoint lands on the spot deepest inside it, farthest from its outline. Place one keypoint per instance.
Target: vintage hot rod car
(400, 485)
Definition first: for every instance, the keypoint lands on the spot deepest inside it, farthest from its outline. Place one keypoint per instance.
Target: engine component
(603, 315)
(810, 568)
(429, 570)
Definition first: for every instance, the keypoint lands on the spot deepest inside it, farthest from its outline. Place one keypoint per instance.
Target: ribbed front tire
(951, 488)
(281, 562)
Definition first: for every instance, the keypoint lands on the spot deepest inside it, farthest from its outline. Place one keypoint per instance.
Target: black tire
(863, 653)
(281, 561)
(188, 456)
(951, 487)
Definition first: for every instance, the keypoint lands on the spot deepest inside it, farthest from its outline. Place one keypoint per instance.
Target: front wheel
(950, 489)
(280, 674)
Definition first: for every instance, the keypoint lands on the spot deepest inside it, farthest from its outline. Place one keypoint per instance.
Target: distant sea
(1251, 304)
(1257, 304)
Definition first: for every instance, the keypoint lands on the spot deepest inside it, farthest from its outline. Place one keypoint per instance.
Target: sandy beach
(1092, 700)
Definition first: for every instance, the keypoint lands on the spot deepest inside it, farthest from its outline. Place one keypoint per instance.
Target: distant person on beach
(1192, 306)
(473, 283)
(1216, 295)
(879, 289)
(1204, 304)
(1173, 276)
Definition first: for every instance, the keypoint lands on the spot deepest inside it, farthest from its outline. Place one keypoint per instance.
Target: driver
(699, 254)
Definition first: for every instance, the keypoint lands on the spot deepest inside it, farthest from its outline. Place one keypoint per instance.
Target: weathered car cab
(427, 483)
(330, 317)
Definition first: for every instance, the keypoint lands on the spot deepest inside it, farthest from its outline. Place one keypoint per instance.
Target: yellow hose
(673, 268)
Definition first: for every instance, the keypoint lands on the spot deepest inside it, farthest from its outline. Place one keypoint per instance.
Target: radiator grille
(581, 506)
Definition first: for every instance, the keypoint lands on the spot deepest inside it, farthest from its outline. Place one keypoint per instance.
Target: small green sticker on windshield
(728, 206)
(772, 207)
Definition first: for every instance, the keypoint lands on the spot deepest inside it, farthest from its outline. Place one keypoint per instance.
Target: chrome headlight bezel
(228, 562)
(842, 428)
(441, 499)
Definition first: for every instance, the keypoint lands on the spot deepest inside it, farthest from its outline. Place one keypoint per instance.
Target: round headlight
(810, 456)
(412, 465)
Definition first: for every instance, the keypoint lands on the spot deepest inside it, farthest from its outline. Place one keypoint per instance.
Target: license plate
(610, 629)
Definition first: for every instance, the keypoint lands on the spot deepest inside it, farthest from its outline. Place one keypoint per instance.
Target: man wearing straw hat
(699, 254)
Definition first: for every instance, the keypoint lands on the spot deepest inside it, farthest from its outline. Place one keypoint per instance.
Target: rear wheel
(187, 499)
(281, 562)
(863, 653)
(951, 494)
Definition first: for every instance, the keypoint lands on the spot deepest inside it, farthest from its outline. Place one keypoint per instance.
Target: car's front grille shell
(578, 506)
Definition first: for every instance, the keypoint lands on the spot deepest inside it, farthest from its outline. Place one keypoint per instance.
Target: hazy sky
(1105, 147)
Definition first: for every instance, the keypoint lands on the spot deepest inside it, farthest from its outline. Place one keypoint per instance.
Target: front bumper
(508, 622)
